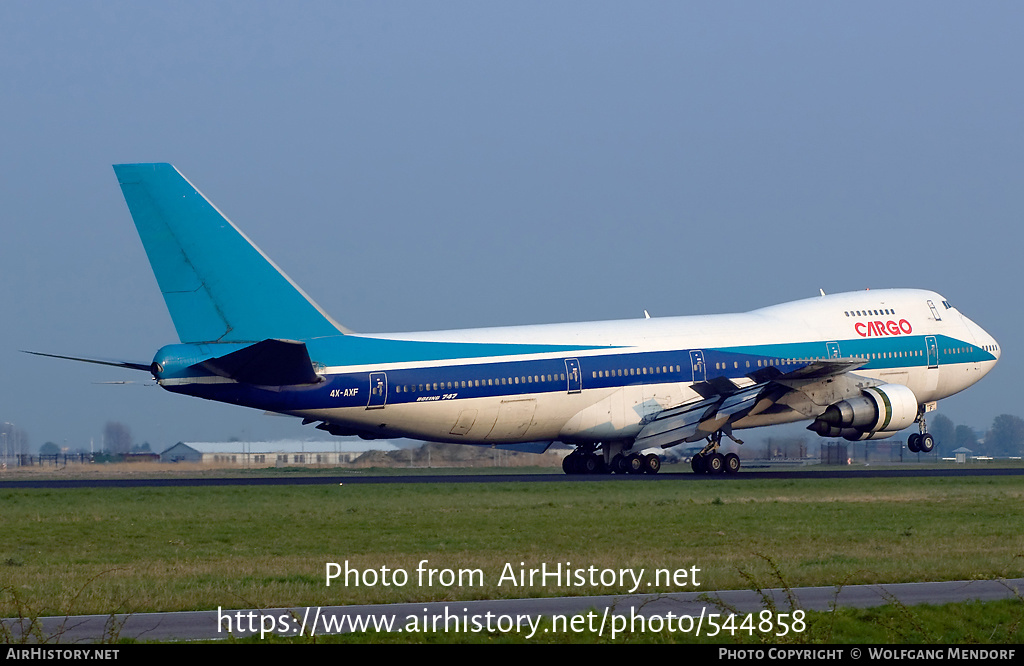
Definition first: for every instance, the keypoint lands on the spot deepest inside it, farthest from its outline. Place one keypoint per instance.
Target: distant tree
(141, 448)
(1006, 438)
(49, 449)
(964, 437)
(944, 433)
(117, 437)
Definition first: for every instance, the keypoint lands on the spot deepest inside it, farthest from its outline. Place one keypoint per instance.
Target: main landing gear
(710, 461)
(586, 460)
(921, 442)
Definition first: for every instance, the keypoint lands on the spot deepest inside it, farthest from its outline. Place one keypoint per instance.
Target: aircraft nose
(984, 339)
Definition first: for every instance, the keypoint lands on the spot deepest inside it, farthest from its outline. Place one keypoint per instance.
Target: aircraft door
(700, 372)
(932, 346)
(833, 349)
(378, 390)
(572, 372)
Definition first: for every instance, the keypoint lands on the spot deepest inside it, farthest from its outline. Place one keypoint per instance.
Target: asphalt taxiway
(692, 611)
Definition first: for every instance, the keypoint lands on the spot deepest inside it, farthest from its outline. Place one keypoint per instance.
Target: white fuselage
(629, 371)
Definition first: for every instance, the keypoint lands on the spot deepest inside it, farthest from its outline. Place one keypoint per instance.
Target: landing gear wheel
(715, 463)
(697, 464)
(924, 442)
(589, 464)
(635, 463)
(569, 463)
(619, 464)
(732, 463)
(652, 464)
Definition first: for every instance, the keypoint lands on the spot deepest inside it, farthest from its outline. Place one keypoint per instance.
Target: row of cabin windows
(632, 372)
(909, 354)
(788, 361)
(476, 383)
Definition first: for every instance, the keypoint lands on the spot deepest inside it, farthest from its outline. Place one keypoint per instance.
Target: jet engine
(878, 411)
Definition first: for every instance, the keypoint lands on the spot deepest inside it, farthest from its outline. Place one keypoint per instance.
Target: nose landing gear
(921, 442)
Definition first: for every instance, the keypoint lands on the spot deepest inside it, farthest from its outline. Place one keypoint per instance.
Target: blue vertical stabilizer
(218, 286)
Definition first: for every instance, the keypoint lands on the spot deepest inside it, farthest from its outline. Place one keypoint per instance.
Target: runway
(703, 613)
(689, 477)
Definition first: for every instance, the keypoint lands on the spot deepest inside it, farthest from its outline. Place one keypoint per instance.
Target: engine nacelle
(857, 435)
(879, 411)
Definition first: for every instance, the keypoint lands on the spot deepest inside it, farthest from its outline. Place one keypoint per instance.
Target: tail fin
(218, 286)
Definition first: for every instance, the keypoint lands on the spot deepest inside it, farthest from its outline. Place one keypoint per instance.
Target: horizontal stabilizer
(266, 363)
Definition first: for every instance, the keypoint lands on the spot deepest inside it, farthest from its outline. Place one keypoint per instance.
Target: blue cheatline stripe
(512, 376)
(864, 348)
(363, 350)
(217, 285)
(602, 369)
(352, 350)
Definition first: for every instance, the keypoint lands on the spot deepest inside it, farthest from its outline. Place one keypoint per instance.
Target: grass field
(135, 550)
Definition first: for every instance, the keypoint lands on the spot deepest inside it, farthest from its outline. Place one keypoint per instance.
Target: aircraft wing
(722, 402)
(696, 420)
(819, 369)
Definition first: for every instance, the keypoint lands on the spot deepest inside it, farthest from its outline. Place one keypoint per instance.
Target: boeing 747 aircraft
(857, 365)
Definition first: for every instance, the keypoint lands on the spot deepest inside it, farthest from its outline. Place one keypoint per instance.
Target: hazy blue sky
(456, 164)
